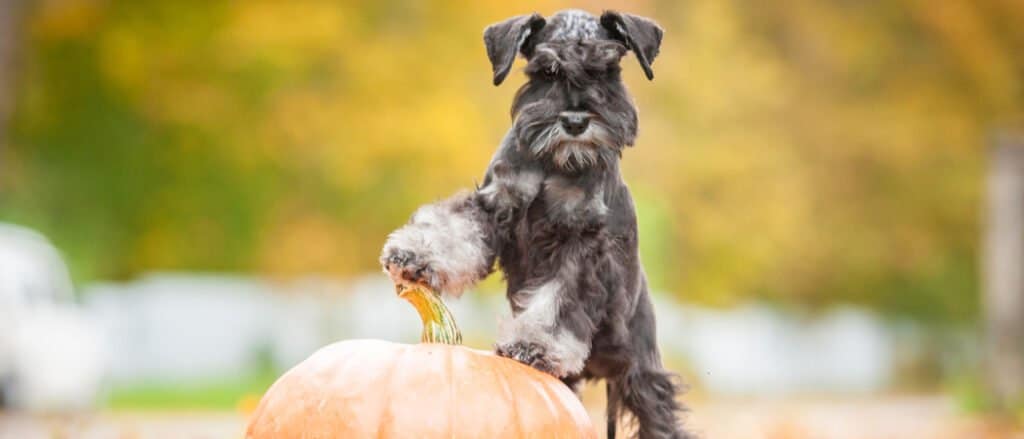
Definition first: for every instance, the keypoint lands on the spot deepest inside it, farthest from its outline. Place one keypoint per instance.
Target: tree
(1004, 269)
(10, 25)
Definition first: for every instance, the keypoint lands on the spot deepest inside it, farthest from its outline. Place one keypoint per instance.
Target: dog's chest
(568, 203)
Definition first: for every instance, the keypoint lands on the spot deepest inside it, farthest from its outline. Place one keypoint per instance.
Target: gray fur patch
(521, 185)
(574, 24)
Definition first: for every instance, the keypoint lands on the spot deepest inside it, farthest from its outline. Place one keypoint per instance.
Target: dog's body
(554, 211)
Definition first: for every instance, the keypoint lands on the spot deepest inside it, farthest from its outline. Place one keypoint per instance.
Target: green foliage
(234, 392)
(806, 152)
(224, 394)
(970, 395)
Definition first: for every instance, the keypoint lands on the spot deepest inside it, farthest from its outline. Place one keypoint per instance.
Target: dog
(554, 212)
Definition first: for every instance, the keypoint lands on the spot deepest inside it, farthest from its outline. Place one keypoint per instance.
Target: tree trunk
(1004, 269)
(10, 26)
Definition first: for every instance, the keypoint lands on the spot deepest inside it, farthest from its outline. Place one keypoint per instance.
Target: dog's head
(574, 111)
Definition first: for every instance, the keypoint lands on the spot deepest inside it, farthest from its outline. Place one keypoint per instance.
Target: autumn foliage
(803, 151)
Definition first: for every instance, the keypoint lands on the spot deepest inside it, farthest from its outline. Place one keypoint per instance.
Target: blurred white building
(51, 355)
(761, 351)
(168, 327)
(180, 327)
(171, 327)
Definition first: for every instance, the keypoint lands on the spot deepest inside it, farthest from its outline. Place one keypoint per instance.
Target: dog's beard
(594, 148)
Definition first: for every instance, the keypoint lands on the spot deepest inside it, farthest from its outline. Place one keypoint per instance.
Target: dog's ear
(505, 39)
(639, 34)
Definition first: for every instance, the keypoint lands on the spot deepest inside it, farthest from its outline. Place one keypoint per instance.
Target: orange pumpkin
(378, 389)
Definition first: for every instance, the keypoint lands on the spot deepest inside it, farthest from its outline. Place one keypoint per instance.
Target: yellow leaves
(745, 210)
(818, 154)
(286, 34)
(302, 241)
(301, 123)
(445, 129)
(961, 28)
(161, 246)
(125, 58)
(157, 75)
(795, 148)
(728, 168)
(63, 19)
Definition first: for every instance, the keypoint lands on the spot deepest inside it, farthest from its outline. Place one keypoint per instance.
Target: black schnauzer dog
(555, 213)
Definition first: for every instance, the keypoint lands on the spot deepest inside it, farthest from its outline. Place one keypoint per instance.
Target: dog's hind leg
(611, 408)
(645, 390)
(649, 395)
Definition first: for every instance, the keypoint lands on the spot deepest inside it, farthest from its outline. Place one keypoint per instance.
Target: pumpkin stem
(438, 323)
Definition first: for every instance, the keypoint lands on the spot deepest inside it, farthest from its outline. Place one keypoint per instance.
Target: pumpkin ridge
(558, 411)
(541, 389)
(385, 416)
(503, 377)
(451, 390)
(564, 396)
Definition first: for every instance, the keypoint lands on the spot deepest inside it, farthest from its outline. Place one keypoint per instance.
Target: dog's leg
(649, 395)
(548, 330)
(645, 390)
(509, 186)
(573, 382)
(452, 244)
(611, 408)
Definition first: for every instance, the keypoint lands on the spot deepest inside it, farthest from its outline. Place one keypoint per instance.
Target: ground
(894, 417)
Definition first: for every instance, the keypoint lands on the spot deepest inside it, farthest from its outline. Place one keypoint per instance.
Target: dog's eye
(613, 71)
(550, 73)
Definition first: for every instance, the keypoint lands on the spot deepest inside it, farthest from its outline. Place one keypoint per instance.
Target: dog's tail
(649, 397)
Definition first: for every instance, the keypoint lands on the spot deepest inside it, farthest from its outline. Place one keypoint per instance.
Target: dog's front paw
(530, 354)
(444, 246)
(405, 266)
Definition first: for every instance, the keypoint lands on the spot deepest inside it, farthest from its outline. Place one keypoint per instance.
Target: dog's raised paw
(405, 266)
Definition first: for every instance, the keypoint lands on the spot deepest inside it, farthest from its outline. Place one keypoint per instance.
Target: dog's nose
(574, 122)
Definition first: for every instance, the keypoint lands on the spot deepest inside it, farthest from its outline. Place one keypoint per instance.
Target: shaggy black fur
(554, 211)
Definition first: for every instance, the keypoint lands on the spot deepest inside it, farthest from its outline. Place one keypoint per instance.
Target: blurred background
(193, 196)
